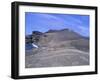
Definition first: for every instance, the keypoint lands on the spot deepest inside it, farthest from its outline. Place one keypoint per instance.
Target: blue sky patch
(45, 21)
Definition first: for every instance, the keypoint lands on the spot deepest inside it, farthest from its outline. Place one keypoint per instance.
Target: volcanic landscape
(56, 48)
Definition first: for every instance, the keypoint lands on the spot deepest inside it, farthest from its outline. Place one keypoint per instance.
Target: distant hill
(51, 31)
(65, 34)
(58, 36)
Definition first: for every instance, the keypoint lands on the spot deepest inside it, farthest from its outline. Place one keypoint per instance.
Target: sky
(46, 21)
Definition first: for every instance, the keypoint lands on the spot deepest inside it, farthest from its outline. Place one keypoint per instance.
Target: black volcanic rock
(36, 33)
(28, 39)
(34, 37)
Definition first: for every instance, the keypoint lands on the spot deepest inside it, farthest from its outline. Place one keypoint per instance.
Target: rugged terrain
(57, 48)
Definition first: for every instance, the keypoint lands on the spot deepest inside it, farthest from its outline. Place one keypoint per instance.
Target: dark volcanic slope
(65, 34)
(81, 44)
(59, 48)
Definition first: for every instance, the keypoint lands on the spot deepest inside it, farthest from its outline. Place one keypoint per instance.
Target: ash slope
(58, 48)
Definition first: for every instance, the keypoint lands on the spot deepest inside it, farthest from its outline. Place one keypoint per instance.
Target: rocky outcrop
(34, 37)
